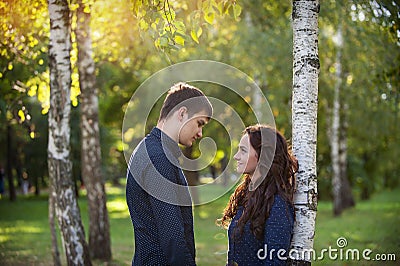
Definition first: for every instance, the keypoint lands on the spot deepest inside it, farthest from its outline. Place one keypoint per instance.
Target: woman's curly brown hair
(277, 166)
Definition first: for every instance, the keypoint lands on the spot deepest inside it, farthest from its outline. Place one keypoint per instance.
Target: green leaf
(194, 36)
(196, 33)
(220, 7)
(237, 10)
(199, 31)
(157, 43)
(226, 8)
(179, 40)
(209, 16)
(136, 5)
(86, 9)
(143, 25)
(180, 27)
(154, 26)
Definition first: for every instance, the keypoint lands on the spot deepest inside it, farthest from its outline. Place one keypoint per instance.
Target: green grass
(25, 236)
(373, 224)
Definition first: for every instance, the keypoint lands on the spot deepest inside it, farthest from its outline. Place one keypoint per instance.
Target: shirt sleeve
(278, 232)
(168, 216)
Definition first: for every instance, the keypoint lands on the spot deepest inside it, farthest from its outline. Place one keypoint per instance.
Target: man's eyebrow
(201, 122)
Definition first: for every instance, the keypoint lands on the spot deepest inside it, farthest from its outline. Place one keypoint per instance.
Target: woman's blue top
(274, 248)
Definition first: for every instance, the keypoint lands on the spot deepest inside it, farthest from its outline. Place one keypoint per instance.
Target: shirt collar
(167, 141)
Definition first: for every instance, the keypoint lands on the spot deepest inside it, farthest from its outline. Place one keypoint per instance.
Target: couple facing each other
(259, 214)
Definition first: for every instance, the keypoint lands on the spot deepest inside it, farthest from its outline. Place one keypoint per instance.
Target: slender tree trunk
(334, 138)
(37, 188)
(18, 164)
(346, 192)
(304, 122)
(59, 163)
(10, 155)
(342, 194)
(99, 229)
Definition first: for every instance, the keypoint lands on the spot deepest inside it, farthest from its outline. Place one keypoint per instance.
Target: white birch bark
(334, 136)
(59, 163)
(304, 122)
(99, 229)
(346, 192)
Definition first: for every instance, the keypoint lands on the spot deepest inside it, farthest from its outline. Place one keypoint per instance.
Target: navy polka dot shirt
(248, 250)
(159, 203)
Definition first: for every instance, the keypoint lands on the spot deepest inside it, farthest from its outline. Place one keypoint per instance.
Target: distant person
(260, 213)
(25, 183)
(156, 191)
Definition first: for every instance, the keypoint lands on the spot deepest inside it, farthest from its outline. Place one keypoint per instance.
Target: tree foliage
(133, 39)
(172, 23)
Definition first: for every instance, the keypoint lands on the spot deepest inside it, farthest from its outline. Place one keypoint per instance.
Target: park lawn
(373, 224)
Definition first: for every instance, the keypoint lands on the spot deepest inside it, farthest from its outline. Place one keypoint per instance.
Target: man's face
(192, 128)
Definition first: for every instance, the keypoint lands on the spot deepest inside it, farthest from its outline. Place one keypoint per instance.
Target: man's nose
(200, 133)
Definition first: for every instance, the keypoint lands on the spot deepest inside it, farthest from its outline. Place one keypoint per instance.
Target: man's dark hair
(182, 94)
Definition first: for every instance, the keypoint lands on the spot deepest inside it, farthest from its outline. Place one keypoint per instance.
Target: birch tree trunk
(59, 163)
(99, 229)
(346, 192)
(341, 189)
(304, 122)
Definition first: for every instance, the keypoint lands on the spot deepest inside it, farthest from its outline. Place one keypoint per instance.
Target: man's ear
(182, 112)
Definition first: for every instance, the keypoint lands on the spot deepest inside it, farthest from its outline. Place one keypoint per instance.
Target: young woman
(260, 212)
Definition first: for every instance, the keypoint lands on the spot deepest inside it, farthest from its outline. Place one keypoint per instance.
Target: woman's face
(246, 156)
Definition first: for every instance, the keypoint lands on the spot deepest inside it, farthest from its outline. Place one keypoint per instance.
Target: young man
(156, 191)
